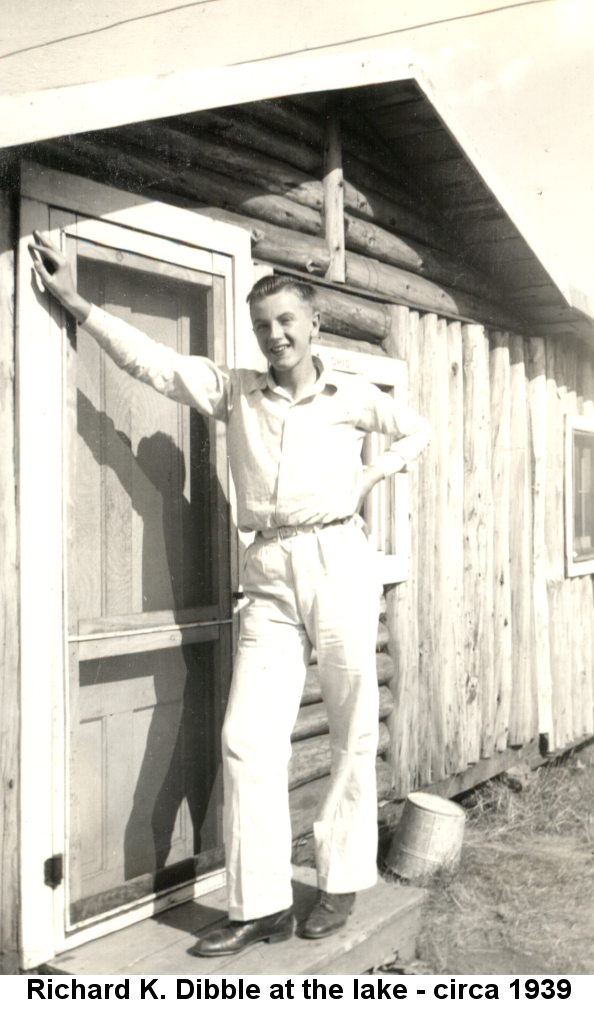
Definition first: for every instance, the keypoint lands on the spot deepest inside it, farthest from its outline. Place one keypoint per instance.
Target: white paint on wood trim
(573, 423)
(380, 370)
(384, 371)
(80, 107)
(41, 350)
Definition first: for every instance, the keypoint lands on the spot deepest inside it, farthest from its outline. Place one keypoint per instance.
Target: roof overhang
(95, 106)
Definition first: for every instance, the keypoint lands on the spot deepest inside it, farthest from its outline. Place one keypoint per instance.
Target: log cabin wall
(487, 645)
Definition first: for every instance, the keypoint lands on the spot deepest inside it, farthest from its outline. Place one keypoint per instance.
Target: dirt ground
(522, 900)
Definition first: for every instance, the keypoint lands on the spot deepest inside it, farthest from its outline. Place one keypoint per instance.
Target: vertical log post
(431, 738)
(523, 716)
(586, 389)
(9, 615)
(455, 727)
(334, 195)
(554, 532)
(537, 401)
(478, 536)
(575, 628)
(402, 599)
(502, 610)
(443, 669)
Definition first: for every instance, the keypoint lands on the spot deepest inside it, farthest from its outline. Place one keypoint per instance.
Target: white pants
(320, 588)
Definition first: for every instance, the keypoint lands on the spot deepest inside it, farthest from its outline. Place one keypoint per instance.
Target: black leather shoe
(236, 935)
(329, 914)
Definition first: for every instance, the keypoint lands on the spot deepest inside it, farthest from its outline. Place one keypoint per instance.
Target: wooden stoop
(382, 927)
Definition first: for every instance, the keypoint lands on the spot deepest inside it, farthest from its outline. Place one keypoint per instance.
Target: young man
(294, 439)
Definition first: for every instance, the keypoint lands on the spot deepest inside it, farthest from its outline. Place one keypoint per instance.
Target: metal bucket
(428, 836)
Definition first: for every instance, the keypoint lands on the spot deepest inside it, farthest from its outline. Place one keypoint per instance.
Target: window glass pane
(583, 495)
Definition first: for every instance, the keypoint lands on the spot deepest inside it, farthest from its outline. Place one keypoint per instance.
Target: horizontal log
(309, 254)
(183, 151)
(273, 244)
(364, 149)
(235, 127)
(371, 240)
(138, 170)
(405, 288)
(287, 117)
(312, 719)
(311, 757)
(326, 339)
(305, 799)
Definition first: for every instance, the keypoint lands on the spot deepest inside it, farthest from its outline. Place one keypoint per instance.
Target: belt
(284, 532)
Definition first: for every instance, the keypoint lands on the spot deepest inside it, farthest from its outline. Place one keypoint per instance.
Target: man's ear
(315, 323)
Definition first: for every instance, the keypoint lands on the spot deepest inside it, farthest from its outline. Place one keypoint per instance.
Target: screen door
(129, 559)
(148, 594)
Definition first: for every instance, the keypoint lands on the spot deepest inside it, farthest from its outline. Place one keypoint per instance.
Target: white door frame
(40, 378)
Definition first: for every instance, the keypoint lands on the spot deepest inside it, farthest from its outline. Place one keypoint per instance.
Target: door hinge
(53, 871)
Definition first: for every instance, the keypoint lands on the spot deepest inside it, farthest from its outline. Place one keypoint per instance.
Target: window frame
(51, 201)
(390, 374)
(574, 423)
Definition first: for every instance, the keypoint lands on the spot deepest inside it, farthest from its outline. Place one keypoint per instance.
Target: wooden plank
(443, 671)
(333, 184)
(385, 919)
(383, 906)
(554, 534)
(575, 627)
(454, 584)
(499, 381)
(9, 615)
(585, 602)
(535, 363)
(402, 599)
(524, 714)
(478, 533)
(431, 738)
(241, 66)
(348, 345)
(586, 395)
(483, 770)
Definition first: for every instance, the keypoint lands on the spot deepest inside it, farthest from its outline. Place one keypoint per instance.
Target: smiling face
(284, 325)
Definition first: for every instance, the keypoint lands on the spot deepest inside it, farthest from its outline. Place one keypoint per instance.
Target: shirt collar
(265, 379)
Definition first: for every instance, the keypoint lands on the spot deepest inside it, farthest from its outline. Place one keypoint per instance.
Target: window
(579, 495)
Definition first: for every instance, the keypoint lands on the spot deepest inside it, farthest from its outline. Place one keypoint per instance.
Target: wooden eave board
(71, 110)
(385, 920)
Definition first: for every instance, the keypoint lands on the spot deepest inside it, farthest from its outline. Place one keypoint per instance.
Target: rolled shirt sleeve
(195, 381)
(411, 432)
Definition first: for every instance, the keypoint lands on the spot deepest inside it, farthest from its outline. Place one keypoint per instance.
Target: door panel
(148, 595)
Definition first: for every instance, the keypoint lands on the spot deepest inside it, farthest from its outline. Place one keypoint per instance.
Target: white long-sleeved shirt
(294, 462)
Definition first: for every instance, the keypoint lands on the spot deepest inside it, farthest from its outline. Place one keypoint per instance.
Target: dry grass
(556, 799)
(522, 900)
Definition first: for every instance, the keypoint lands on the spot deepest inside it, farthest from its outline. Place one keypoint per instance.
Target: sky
(521, 84)
(520, 81)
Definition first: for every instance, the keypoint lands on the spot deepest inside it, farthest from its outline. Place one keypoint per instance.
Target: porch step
(383, 926)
